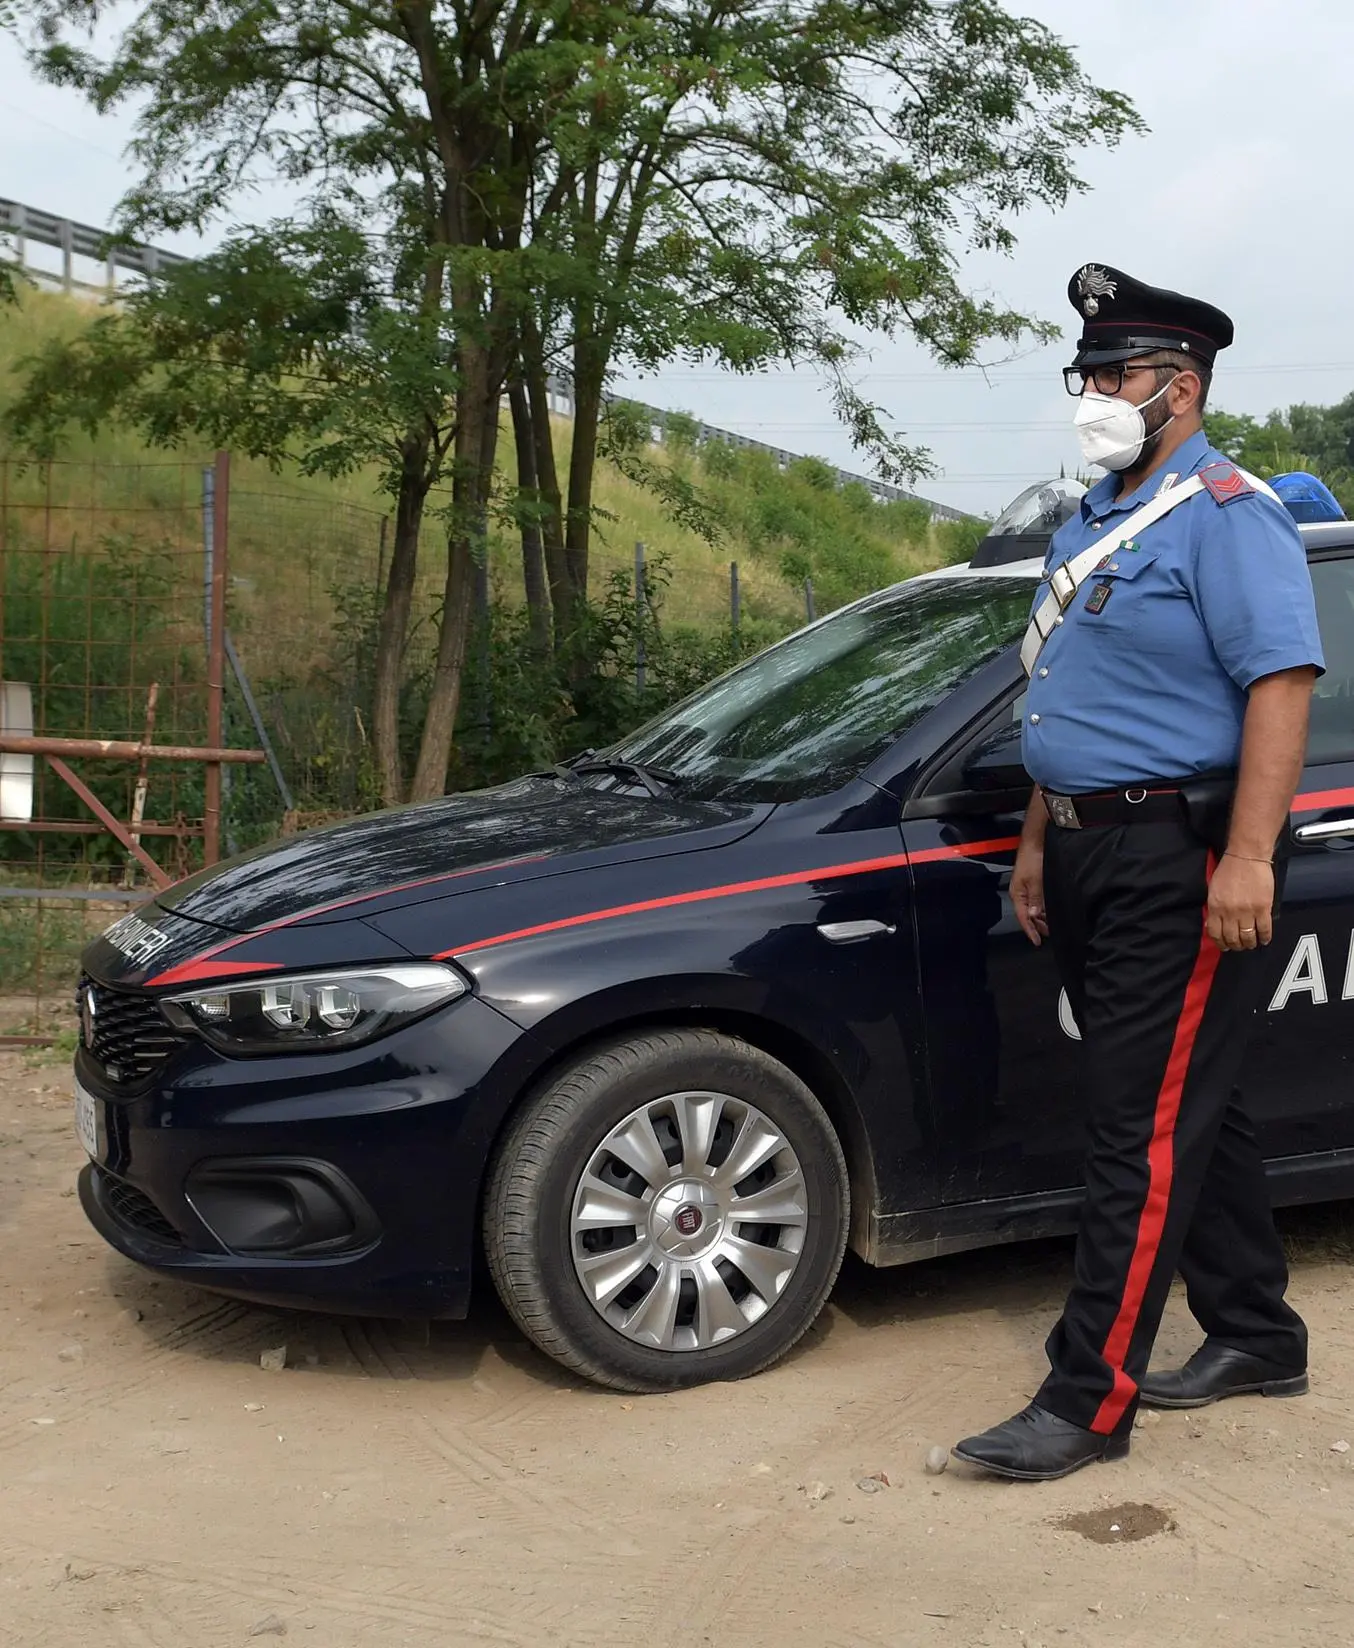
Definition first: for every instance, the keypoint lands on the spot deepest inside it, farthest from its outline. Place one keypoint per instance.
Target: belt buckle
(1063, 811)
(1063, 585)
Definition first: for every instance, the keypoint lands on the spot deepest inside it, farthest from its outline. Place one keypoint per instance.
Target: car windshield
(808, 714)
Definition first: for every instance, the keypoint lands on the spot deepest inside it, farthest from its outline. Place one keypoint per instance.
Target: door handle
(850, 932)
(1331, 830)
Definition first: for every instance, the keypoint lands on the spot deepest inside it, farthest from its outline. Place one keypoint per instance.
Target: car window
(1331, 733)
(811, 712)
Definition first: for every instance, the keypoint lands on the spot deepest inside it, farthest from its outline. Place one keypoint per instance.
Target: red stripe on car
(187, 971)
(969, 849)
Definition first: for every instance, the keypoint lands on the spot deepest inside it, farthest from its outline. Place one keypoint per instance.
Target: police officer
(1170, 679)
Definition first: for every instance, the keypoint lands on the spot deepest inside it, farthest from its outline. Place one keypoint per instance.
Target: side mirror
(996, 763)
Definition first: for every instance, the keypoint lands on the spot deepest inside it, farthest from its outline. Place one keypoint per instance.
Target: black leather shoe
(1037, 1446)
(1215, 1371)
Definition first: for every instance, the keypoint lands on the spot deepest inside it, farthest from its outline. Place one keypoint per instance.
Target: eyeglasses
(1107, 379)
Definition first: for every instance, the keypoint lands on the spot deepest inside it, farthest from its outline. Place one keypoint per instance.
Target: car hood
(533, 827)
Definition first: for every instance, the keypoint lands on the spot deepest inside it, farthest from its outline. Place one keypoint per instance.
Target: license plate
(87, 1121)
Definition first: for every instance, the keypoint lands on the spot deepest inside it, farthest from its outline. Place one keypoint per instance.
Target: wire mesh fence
(103, 610)
(108, 632)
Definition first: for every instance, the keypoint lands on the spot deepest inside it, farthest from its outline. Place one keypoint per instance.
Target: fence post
(66, 235)
(809, 606)
(641, 598)
(735, 598)
(219, 517)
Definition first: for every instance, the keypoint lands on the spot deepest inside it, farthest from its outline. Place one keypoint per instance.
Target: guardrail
(23, 224)
(77, 240)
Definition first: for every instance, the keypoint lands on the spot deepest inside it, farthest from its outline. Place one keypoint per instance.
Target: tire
(647, 1270)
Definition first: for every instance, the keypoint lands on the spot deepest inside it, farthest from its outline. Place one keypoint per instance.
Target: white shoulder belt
(1065, 580)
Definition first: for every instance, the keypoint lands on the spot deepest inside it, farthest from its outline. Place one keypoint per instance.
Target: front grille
(126, 1035)
(132, 1207)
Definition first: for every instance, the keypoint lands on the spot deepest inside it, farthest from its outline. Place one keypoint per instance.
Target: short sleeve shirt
(1146, 677)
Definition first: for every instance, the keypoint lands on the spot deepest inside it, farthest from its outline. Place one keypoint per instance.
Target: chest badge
(1099, 598)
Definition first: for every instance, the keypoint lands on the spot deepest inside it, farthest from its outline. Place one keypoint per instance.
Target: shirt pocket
(1116, 598)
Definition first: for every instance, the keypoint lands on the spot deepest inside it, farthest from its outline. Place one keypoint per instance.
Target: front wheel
(670, 1210)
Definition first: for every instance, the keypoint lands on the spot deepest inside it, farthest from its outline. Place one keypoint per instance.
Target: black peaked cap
(1122, 317)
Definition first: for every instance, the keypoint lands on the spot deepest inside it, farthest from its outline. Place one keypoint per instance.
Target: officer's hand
(1241, 904)
(1027, 892)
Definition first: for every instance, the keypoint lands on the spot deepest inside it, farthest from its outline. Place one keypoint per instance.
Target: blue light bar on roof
(1306, 498)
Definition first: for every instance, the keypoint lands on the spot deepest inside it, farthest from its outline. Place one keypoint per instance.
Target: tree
(723, 186)
(300, 342)
(1318, 439)
(583, 184)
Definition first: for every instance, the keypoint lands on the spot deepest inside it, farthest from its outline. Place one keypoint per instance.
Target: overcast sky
(1241, 194)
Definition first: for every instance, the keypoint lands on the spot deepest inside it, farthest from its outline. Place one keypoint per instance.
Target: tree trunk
(582, 473)
(476, 444)
(533, 553)
(552, 502)
(394, 626)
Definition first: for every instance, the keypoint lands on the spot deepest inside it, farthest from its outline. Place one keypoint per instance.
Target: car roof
(1327, 534)
(1315, 535)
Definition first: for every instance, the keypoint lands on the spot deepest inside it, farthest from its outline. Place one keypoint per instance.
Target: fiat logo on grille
(87, 1014)
(688, 1219)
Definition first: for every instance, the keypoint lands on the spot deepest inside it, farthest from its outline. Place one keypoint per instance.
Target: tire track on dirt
(534, 1508)
(196, 1591)
(86, 1390)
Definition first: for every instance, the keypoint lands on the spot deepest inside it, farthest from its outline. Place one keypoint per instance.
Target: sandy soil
(396, 1485)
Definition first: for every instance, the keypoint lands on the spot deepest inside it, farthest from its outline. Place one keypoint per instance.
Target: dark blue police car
(664, 1030)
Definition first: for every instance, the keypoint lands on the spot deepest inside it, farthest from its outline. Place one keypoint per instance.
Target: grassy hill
(294, 537)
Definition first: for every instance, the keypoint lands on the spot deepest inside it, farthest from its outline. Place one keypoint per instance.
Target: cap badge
(1093, 284)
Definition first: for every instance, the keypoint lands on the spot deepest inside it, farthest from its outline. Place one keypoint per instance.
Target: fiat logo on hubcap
(687, 1220)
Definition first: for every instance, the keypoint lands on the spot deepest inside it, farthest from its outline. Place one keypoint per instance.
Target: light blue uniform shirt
(1149, 680)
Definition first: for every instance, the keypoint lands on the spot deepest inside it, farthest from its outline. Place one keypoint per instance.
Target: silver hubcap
(689, 1221)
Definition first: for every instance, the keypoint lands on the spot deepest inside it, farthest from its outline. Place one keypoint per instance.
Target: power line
(51, 125)
(992, 374)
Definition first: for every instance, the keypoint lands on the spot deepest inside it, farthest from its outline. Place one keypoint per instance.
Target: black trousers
(1174, 1176)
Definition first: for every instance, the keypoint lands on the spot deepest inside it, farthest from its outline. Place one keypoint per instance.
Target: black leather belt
(1157, 805)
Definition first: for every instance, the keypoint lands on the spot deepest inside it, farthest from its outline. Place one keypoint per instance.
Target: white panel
(16, 771)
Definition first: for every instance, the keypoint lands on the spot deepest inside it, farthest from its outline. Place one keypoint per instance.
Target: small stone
(870, 1484)
(1115, 1528)
(627, 1407)
(274, 1360)
(848, 1519)
(72, 1572)
(1339, 1447)
(817, 1492)
(253, 1407)
(761, 1468)
(131, 1315)
(270, 1627)
(1095, 1608)
(937, 1459)
(70, 1353)
(44, 1421)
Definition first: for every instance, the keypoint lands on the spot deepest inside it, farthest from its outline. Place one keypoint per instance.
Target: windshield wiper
(652, 779)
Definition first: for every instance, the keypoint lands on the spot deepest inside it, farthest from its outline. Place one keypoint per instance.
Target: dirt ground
(396, 1485)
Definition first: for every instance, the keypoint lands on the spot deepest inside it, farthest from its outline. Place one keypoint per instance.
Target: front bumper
(345, 1181)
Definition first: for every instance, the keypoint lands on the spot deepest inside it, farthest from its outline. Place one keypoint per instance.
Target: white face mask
(1112, 431)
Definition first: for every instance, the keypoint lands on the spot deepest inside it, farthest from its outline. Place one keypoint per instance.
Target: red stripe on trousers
(1161, 1170)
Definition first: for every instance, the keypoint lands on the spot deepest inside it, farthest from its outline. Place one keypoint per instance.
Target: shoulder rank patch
(1225, 483)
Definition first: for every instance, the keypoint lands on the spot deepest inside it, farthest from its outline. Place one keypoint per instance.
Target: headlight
(302, 1011)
